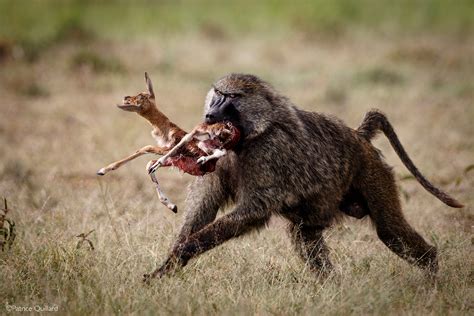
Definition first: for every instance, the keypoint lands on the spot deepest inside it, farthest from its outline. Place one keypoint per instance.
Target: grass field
(64, 66)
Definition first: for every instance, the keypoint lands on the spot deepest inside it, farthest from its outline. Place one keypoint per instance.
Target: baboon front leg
(310, 245)
(142, 151)
(205, 196)
(234, 224)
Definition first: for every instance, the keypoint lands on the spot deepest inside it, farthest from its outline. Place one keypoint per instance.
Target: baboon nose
(210, 118)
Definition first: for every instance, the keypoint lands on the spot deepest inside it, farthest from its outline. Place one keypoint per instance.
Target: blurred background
(65, 64)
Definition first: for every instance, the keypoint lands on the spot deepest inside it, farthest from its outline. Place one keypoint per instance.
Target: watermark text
(40, 308)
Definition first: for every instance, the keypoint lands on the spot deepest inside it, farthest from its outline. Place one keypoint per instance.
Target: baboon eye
(234, 95)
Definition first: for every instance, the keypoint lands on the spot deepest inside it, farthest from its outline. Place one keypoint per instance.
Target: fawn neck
(164, 131)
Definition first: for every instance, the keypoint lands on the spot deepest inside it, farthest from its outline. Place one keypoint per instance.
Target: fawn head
(142, 102)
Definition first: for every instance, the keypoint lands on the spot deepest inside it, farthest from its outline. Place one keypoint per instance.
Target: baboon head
(142, 102)
(246, 101)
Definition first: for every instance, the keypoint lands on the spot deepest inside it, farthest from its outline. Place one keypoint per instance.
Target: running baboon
(307, 167)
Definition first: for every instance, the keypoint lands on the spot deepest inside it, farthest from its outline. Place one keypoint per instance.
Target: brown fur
(307, 167)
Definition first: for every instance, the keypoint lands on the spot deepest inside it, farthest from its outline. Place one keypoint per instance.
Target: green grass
(95, 62)
(43, 21)
(34, 26)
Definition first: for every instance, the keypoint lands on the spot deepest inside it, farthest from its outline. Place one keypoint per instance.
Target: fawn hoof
(101, 172)
(174, 208)
(153, 166)
(150, 163)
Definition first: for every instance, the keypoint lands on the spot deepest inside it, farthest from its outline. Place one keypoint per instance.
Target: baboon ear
(149, 85)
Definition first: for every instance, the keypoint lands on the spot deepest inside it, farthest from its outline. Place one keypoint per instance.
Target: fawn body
(197, 155)
(166, 133)
(212, 142)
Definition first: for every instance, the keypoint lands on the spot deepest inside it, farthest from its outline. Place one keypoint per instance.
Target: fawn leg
(217, 153)
(145, 150)
(163, 198)
(186, 139)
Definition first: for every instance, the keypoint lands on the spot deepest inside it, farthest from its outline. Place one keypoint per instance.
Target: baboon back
(307, 160)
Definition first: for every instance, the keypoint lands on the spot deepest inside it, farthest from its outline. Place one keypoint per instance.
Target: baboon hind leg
(379, 188)
(311, 247)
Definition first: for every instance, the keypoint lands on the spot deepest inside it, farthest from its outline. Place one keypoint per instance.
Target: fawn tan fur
(206, 137)
(165, 133)
(205, 143)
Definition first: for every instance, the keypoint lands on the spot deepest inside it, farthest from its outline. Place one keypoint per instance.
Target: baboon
(307, 167)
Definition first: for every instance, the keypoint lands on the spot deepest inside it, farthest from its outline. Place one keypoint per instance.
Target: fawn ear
(149, 85)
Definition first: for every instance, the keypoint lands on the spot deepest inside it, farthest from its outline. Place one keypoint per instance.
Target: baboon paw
(147, 278)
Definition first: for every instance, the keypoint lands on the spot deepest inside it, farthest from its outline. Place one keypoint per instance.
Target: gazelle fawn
(165, 133)
(195, 153)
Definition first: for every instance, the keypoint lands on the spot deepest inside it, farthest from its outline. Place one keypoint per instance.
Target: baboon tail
(374, 122)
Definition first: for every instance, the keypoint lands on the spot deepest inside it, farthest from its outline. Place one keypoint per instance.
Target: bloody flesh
(186, 160)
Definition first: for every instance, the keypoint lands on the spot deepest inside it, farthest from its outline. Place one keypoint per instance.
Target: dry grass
(59, 125)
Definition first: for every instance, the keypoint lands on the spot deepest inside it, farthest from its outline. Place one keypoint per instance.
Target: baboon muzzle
(212, 117)
(220, 110)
